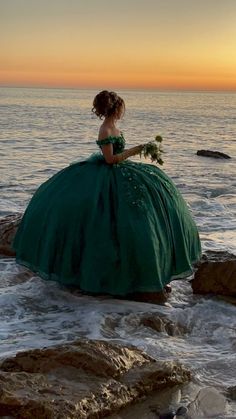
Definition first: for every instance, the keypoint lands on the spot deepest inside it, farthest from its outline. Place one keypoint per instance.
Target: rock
(216, 274)
(168, 415)
(215, 154)
(209, 403)
(181, 412)
(163, 324)
(82, 379)
(231, 392)
(150, 407)
(231, 300)
(8, 227)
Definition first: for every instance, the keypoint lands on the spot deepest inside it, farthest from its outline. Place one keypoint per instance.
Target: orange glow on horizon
(166, 45)
(118, 80)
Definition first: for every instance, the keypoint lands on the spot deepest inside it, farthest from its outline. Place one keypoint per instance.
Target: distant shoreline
(122, 89)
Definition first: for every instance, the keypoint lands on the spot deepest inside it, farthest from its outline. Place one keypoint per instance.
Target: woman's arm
(107, 151)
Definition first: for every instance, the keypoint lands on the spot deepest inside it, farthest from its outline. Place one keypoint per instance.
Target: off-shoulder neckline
(111, 137)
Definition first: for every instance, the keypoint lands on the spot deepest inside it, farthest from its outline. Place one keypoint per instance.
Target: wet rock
(216, 274)
(167, 415)
(231, 392)
(180, 413)
(8, 227)
(153, 322)
(215, 154)
(209, 403)
(231, 300)
(12, 274)
(153, 405)
(163, 324)
(83, 379)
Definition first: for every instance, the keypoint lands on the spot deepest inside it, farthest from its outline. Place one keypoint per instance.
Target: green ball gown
(114, 229)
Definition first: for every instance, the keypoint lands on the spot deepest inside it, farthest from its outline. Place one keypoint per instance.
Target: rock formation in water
(231, 393)
(215, 154)
(209, 403)
(8, 227)
(216, 274)
(82, 379)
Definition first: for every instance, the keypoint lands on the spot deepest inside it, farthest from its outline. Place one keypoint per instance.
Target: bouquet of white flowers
(153, 150)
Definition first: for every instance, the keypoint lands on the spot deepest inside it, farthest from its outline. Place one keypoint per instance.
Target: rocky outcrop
(162, 324)
(231, 393)
(83, 379)
(215, 154)
(154, 322)
(8, 227)
(216, 274)
(209, 403)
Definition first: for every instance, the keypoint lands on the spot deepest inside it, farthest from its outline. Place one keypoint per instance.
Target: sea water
(44, 130)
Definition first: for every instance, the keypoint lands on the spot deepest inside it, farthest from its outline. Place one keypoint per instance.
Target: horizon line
(137, 88)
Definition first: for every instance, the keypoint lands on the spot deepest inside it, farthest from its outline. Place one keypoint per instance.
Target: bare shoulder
(104, 132)
(107, 131)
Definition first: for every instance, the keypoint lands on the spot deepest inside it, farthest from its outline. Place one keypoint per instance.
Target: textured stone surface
(209, 403)
(8, 227)
(215, 154)
(231, 392)
(163, 324)
(84, 379)
(216, 274)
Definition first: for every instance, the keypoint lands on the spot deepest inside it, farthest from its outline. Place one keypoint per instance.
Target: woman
(108, 224)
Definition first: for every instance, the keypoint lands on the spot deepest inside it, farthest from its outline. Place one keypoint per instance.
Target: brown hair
(106, 104)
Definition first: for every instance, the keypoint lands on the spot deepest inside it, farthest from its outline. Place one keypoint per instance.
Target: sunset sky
(162, 44)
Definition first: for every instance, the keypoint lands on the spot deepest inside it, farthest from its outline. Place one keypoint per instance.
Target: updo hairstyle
(107, 104)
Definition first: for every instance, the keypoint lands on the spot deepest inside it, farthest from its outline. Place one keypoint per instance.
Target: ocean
(44, 130)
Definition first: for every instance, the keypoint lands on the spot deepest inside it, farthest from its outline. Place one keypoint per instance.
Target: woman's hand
(138, 148)
(107, 151)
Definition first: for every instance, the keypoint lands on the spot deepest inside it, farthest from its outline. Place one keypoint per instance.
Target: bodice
(117, 141)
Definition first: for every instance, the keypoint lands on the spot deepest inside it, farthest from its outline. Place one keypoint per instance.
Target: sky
(153, 44)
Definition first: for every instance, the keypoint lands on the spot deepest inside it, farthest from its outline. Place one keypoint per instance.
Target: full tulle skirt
(115, 229)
